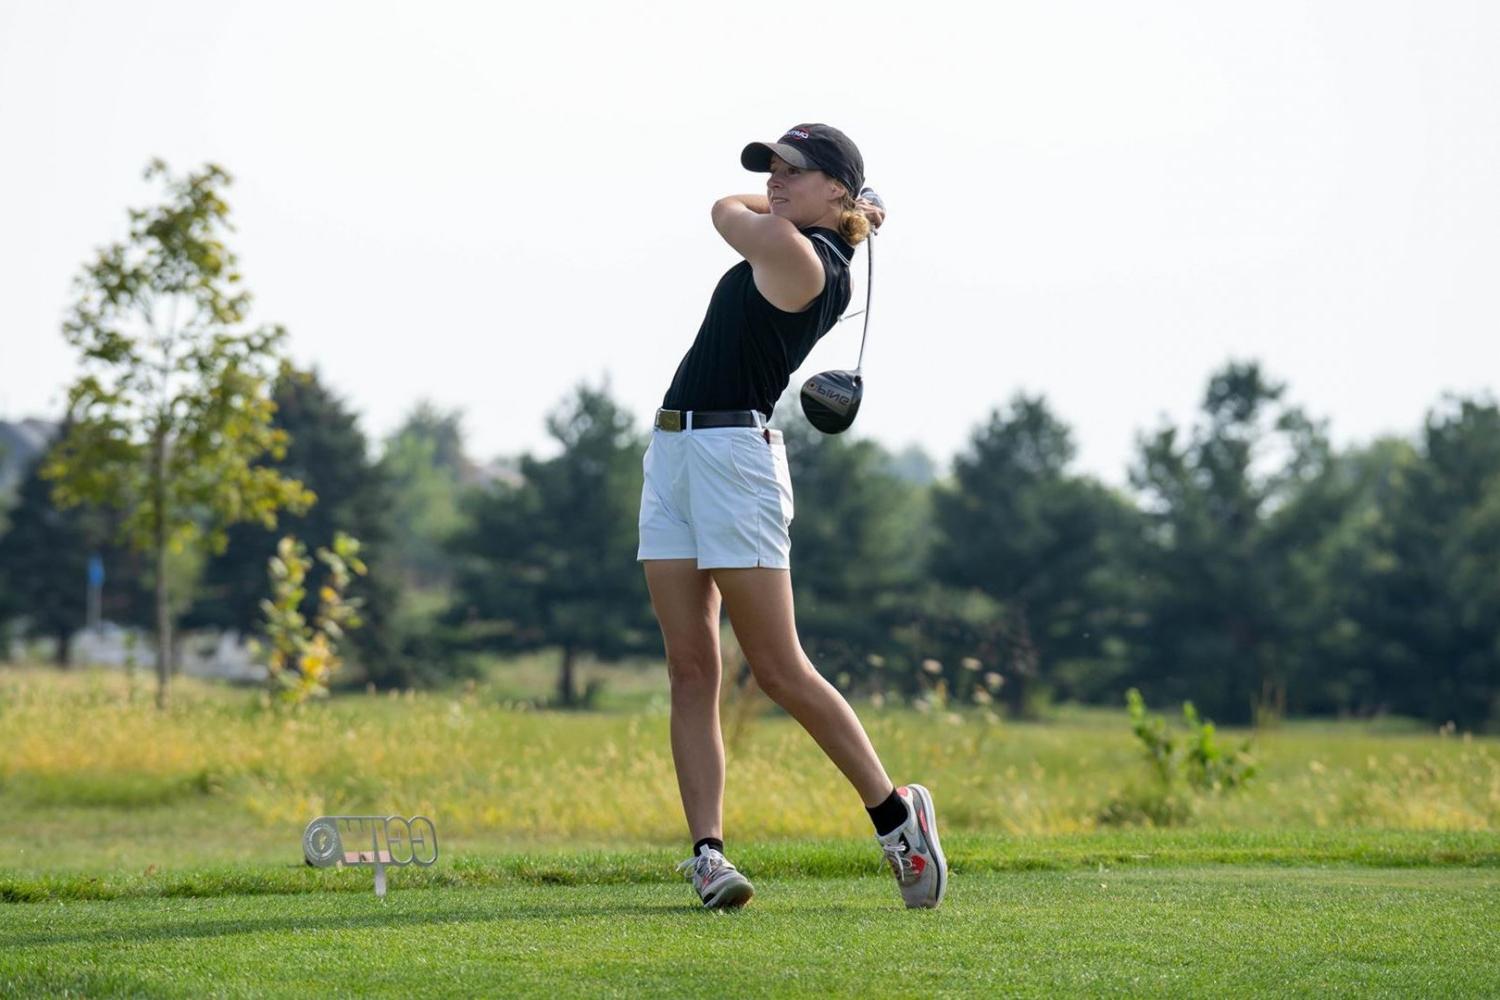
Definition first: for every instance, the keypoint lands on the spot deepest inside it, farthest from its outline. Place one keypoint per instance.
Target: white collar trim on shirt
(832, 246)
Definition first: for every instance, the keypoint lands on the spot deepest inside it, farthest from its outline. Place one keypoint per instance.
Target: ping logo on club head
(828, 392)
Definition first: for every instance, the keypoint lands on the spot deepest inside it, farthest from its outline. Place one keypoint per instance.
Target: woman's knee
(693, 669)
(782, 679)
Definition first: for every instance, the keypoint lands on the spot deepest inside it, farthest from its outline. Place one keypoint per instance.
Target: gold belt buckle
(669, 420)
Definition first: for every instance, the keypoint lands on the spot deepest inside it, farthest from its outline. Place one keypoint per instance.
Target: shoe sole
(929, 828)
(731, 897)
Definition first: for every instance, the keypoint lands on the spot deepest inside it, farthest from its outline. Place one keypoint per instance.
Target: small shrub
(1158, 742)
(1194, 757)
(1210, 765)
(303, 656)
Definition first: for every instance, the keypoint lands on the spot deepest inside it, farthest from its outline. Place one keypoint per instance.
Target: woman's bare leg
(687, 608)
(759, 602)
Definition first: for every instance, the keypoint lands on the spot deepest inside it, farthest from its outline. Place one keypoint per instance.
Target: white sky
(482, 204)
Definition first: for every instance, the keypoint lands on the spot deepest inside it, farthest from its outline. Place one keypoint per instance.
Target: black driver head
(831, 400)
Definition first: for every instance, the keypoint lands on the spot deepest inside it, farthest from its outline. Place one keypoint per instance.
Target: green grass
(1178, 931)
(159, 853)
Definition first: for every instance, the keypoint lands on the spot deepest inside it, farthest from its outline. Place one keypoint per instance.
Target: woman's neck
(828, 221)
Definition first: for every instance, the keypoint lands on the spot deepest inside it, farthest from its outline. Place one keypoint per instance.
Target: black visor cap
(812, 147)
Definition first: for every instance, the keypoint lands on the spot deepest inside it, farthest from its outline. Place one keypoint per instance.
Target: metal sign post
(95, 597)
(392, 840)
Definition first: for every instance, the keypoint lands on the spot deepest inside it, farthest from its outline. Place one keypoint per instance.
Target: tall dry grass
(83, 747)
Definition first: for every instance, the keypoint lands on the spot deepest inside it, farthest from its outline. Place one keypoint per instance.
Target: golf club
(831, 399)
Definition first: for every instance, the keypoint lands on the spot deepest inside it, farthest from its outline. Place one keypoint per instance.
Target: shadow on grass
(525, 912)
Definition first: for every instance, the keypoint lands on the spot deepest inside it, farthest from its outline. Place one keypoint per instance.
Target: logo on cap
(797, 133)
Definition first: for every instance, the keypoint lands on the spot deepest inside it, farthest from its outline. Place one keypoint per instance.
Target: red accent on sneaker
(918, 863)
(922, 821)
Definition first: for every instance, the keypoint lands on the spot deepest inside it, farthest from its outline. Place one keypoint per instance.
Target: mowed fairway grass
(1219, 931)
(158, 853)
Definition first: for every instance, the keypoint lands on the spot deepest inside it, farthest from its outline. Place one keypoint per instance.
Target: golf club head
(831, 400)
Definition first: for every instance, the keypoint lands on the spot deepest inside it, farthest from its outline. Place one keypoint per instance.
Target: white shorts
(722, 495)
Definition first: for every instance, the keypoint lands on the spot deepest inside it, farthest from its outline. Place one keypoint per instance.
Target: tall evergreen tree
(44, 559)
(1218, 568)
(427, 468)
(550, 562)
(44, 563)
(859, 538)
(7, 600)
(1335, 532)
(1429, 609)
(329, 454)
(1018, 526)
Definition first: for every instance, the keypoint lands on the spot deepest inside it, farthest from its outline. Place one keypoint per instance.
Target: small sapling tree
(303, 656)
(171, 414)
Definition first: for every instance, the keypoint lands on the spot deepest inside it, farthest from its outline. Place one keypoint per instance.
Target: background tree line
(1248, 565)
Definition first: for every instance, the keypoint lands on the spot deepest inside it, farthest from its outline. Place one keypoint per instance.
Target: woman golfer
(717, 504)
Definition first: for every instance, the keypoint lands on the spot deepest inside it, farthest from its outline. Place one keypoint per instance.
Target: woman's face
(802, 197)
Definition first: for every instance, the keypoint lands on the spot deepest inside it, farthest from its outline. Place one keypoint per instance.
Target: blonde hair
(853, 226)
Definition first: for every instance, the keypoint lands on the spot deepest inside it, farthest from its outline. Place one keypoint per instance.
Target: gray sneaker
(719, 883)
(913, 852)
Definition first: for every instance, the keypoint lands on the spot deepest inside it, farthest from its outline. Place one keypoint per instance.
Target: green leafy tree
(1041, 541)
(173, 408)
(550, 562)
(1218, 571)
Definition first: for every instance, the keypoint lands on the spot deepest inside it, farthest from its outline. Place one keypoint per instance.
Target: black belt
(677, 420)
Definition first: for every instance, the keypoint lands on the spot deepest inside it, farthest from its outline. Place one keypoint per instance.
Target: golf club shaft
(859, 368)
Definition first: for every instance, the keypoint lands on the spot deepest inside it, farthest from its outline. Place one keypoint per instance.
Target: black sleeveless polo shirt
(747, 349)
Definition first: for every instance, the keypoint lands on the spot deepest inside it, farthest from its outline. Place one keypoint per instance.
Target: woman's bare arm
(787, 270)
(757, 203)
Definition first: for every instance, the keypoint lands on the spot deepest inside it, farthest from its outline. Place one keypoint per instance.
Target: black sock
(713, 842)
(889, 815)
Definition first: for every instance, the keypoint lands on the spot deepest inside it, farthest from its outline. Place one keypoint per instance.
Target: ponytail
(853, 226)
